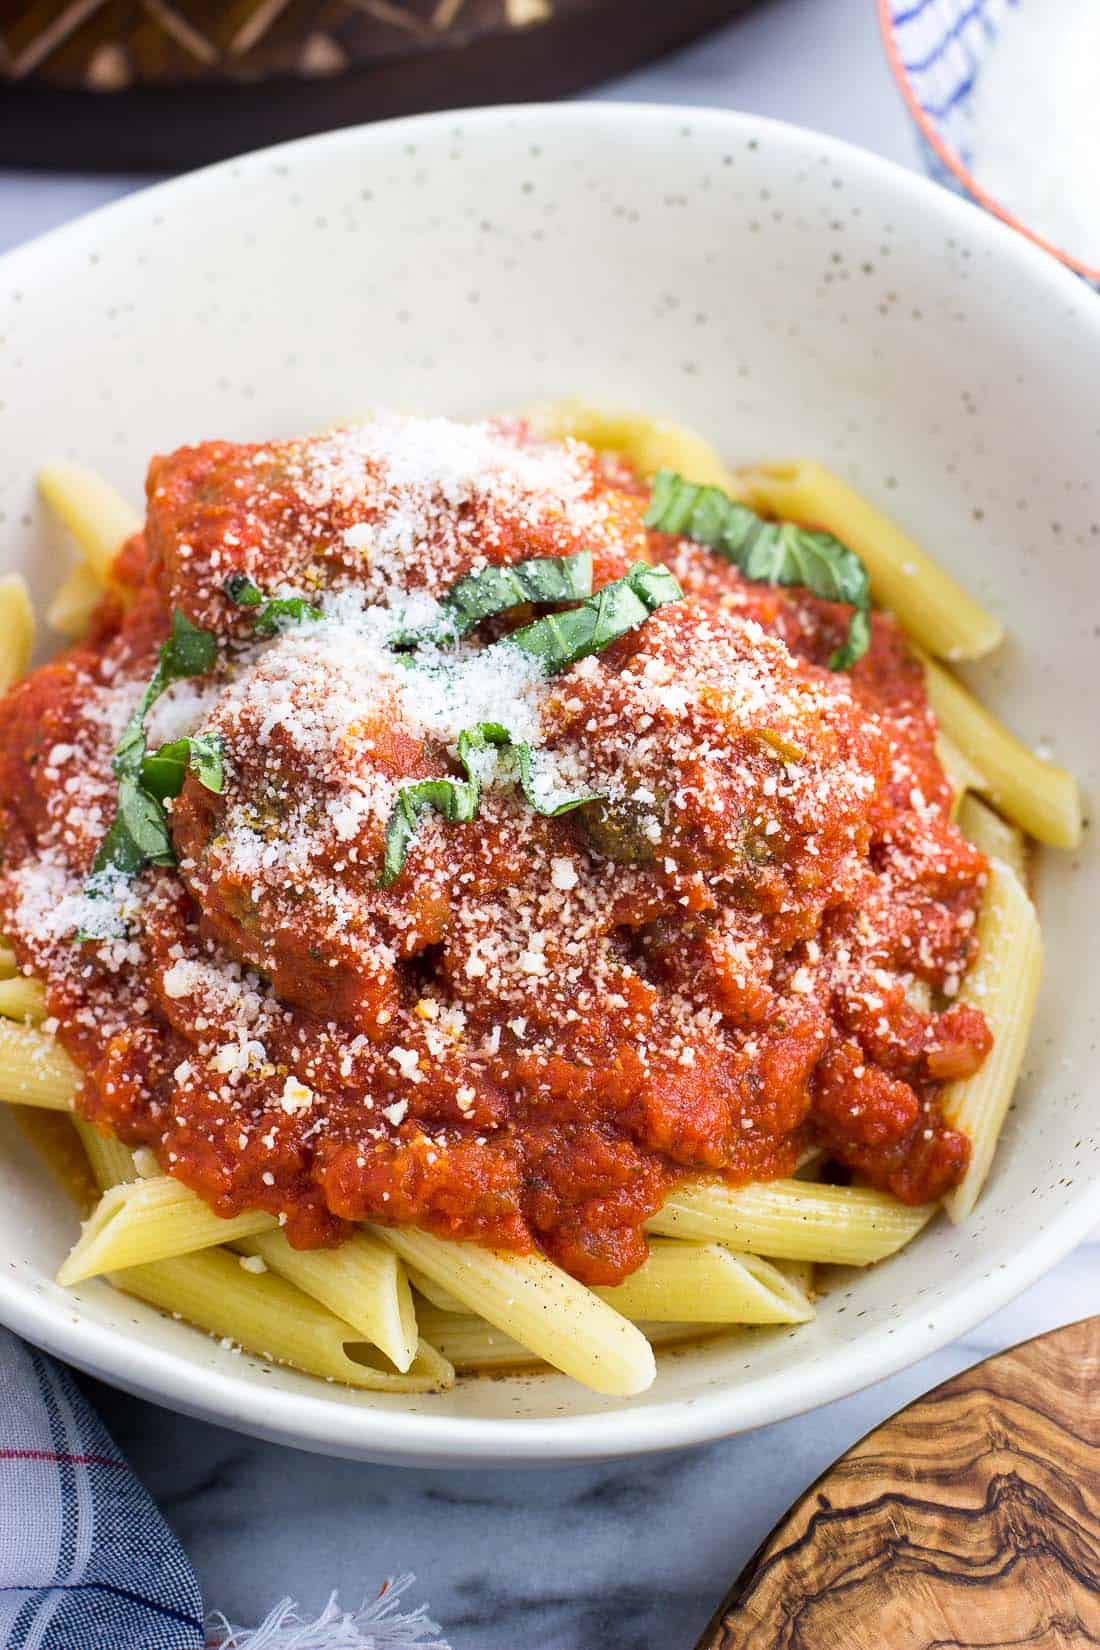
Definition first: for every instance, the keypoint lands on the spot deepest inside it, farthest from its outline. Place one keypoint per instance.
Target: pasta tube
(434, 1292)
(800, 1273)
(539, 1305)
(679, 1282)
(270, 1317)
(792, 1219)
(472, 1344)
(1003, 983)
(996, 838)
(935, 610)
(79, 594)
(649, 443)
(110, 1161)
(362, 1282)
(16, 629)
(151, 1220)
(961, 773)
(34, 1069)
(22, 999)
(1039, 796)
(97, 515)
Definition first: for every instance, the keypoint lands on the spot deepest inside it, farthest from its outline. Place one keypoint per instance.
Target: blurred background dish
(156, 85)
(1005, 96)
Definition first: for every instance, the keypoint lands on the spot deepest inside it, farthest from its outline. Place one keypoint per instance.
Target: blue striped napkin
(88, 1563)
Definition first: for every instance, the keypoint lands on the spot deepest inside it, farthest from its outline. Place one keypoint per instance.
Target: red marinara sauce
(752, 943)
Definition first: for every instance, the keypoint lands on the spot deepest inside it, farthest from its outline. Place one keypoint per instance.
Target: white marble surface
(633, 1556)
(628, 1557)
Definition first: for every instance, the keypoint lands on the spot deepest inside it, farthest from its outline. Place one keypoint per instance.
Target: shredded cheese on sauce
(544, 1020)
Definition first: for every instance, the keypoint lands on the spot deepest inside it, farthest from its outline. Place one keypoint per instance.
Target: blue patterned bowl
(936, 50)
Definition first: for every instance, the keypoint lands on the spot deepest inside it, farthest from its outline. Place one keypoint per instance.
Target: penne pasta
(151, 1220)
(961, 773)
(34, 1069)
(266, 1315)
(1038, 795)
(800, 1273)
(1004, 983)
(434, 1292)
(362, 1283)
(679, 1282)
(22, 999)
(16, 629)
(935, 610)
(996, 838)
(80, 593)
(792, 1220)
(110, 1161)
(53, 1138)
(473, 1345)
(539, 1305)
(650, 444)
(719, 1254)
(95, 513)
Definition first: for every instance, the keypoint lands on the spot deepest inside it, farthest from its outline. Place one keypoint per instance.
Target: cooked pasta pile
(507, 894)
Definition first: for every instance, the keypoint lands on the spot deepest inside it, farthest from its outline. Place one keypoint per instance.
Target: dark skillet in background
(157, 85)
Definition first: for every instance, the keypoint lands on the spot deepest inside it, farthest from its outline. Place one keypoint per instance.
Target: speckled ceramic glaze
(785, 294)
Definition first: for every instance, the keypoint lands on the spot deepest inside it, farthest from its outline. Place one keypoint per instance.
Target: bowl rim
(948, 157)
(311, 1422)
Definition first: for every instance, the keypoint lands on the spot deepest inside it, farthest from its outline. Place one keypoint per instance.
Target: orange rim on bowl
(949, 159)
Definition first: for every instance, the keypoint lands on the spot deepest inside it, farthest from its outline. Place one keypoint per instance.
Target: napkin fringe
(376, 1625)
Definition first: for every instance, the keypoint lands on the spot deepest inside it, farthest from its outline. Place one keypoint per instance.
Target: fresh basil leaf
(560, 639)
(282, 610)
(164, 771)
(274, 610)
(188, 651)
(494, 736)
(767, 552)
(491, 590)
(138, 835)
(859, 640)
(456, 799)
(242, 590)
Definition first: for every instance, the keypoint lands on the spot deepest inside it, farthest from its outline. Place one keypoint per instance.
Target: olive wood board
(969, 1521)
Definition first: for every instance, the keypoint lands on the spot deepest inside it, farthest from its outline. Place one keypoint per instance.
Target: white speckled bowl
(787, 295)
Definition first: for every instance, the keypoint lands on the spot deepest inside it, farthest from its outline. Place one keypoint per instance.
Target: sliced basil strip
(491, 590)
(768, 552)
(138, 835)
(280, 609)
(492, 735)
(456, 799)
(274, 610)
(188, 651)
(242, 590)
(561, 639)
(164, 771)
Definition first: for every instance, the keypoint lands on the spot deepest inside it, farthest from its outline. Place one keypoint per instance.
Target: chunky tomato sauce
(750, 944)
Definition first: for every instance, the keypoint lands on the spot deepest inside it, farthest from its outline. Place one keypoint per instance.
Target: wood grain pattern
(972, 1519)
